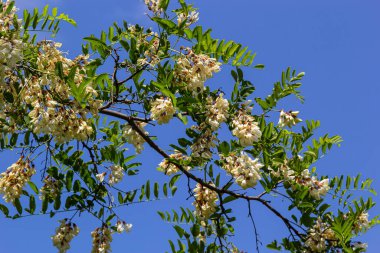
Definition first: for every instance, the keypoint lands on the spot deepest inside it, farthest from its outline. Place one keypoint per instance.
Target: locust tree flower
(246, 129)
(64, 234)
(101, 240)
(162, 110)
(288, 119)
(13, 180)
(205, 201)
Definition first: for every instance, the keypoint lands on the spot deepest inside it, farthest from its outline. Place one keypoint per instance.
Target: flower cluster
(64, 234)
(316, 188)
(10, 55)
(245, 170)
(288, 119)
(203, 144)
(190, 18)
(51, 188)
(162, 110)
(117, 174)
(318, 235)
(205, 201)
(134, 137)
(361, 223)
(7, 19)
(170, 168)
(216, 111)
(192, 70)
(154, 6)
(51, 99)
(13, 180)
(245, 128)
(122, 226)
(101, 240)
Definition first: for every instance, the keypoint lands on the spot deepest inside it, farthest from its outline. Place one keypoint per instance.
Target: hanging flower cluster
(190, 18)
(162, 110)
(203, 144)
(361, 224)
(170, 168)
(101, 240)
(154, 6)
(245, 170)
(288, 119)
(64, 234)
(134, 137)
(205, 201)
(13, 180)
(117, 174)
(245, 128)
(192, 70)
(122, 226)
(216, 111)
(316, 188)
(50, 97)
(51, 188)
(318, 236)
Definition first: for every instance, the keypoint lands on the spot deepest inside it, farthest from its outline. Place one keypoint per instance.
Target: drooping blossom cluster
(288, 119)
(50, 96)
(10, 54)
(190, 18)
(361, 224)
(216, 111)
(154, 6)
(162, 110)
(101, 240)
(13, 180)
(116, 175)
(205, 201)
(122, 226)
(51, 188)
(192, 70)
(202, 146)
(245, 128)
(318, 236)
(134, 137)
(170, 168)
(7, 19)
(64, 234)
(244, 169)
(316, 188)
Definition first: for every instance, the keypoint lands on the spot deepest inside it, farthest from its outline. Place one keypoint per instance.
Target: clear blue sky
(337, 44)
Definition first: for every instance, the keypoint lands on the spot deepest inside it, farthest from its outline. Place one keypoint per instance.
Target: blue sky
(335, 42)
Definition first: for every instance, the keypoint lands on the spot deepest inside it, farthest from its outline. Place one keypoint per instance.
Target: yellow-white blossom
(64, 234)
(245, 170)
(13, 180)
(246, 129)
(288, 119)
(134, 137)
(116, 175)
(154, 6)
(122, 226)
(318, 236)
(101, 240)
(203, 144)
(216, 111)
(51, 188)
(190, 18)
(205, 201)
(170, 168)
(162, 110)
(192, 70)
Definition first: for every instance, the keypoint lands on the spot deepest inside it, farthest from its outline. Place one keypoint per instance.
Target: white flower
(204, 202)
(162, 110)
(154, 6)
(319, 188)
(101, 240)
(318, 235)
(246, 129)
(101, 176)
(64, 234)
(134, 137)
(216, 111)
(245, 170)
(288, 119)
(170, 168)
(13, 180)
(122, 226)
(117, 174)
(203, 145)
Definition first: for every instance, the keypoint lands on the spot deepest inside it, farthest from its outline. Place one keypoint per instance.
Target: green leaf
(69, 180)
(33, 187)
(18, 206)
